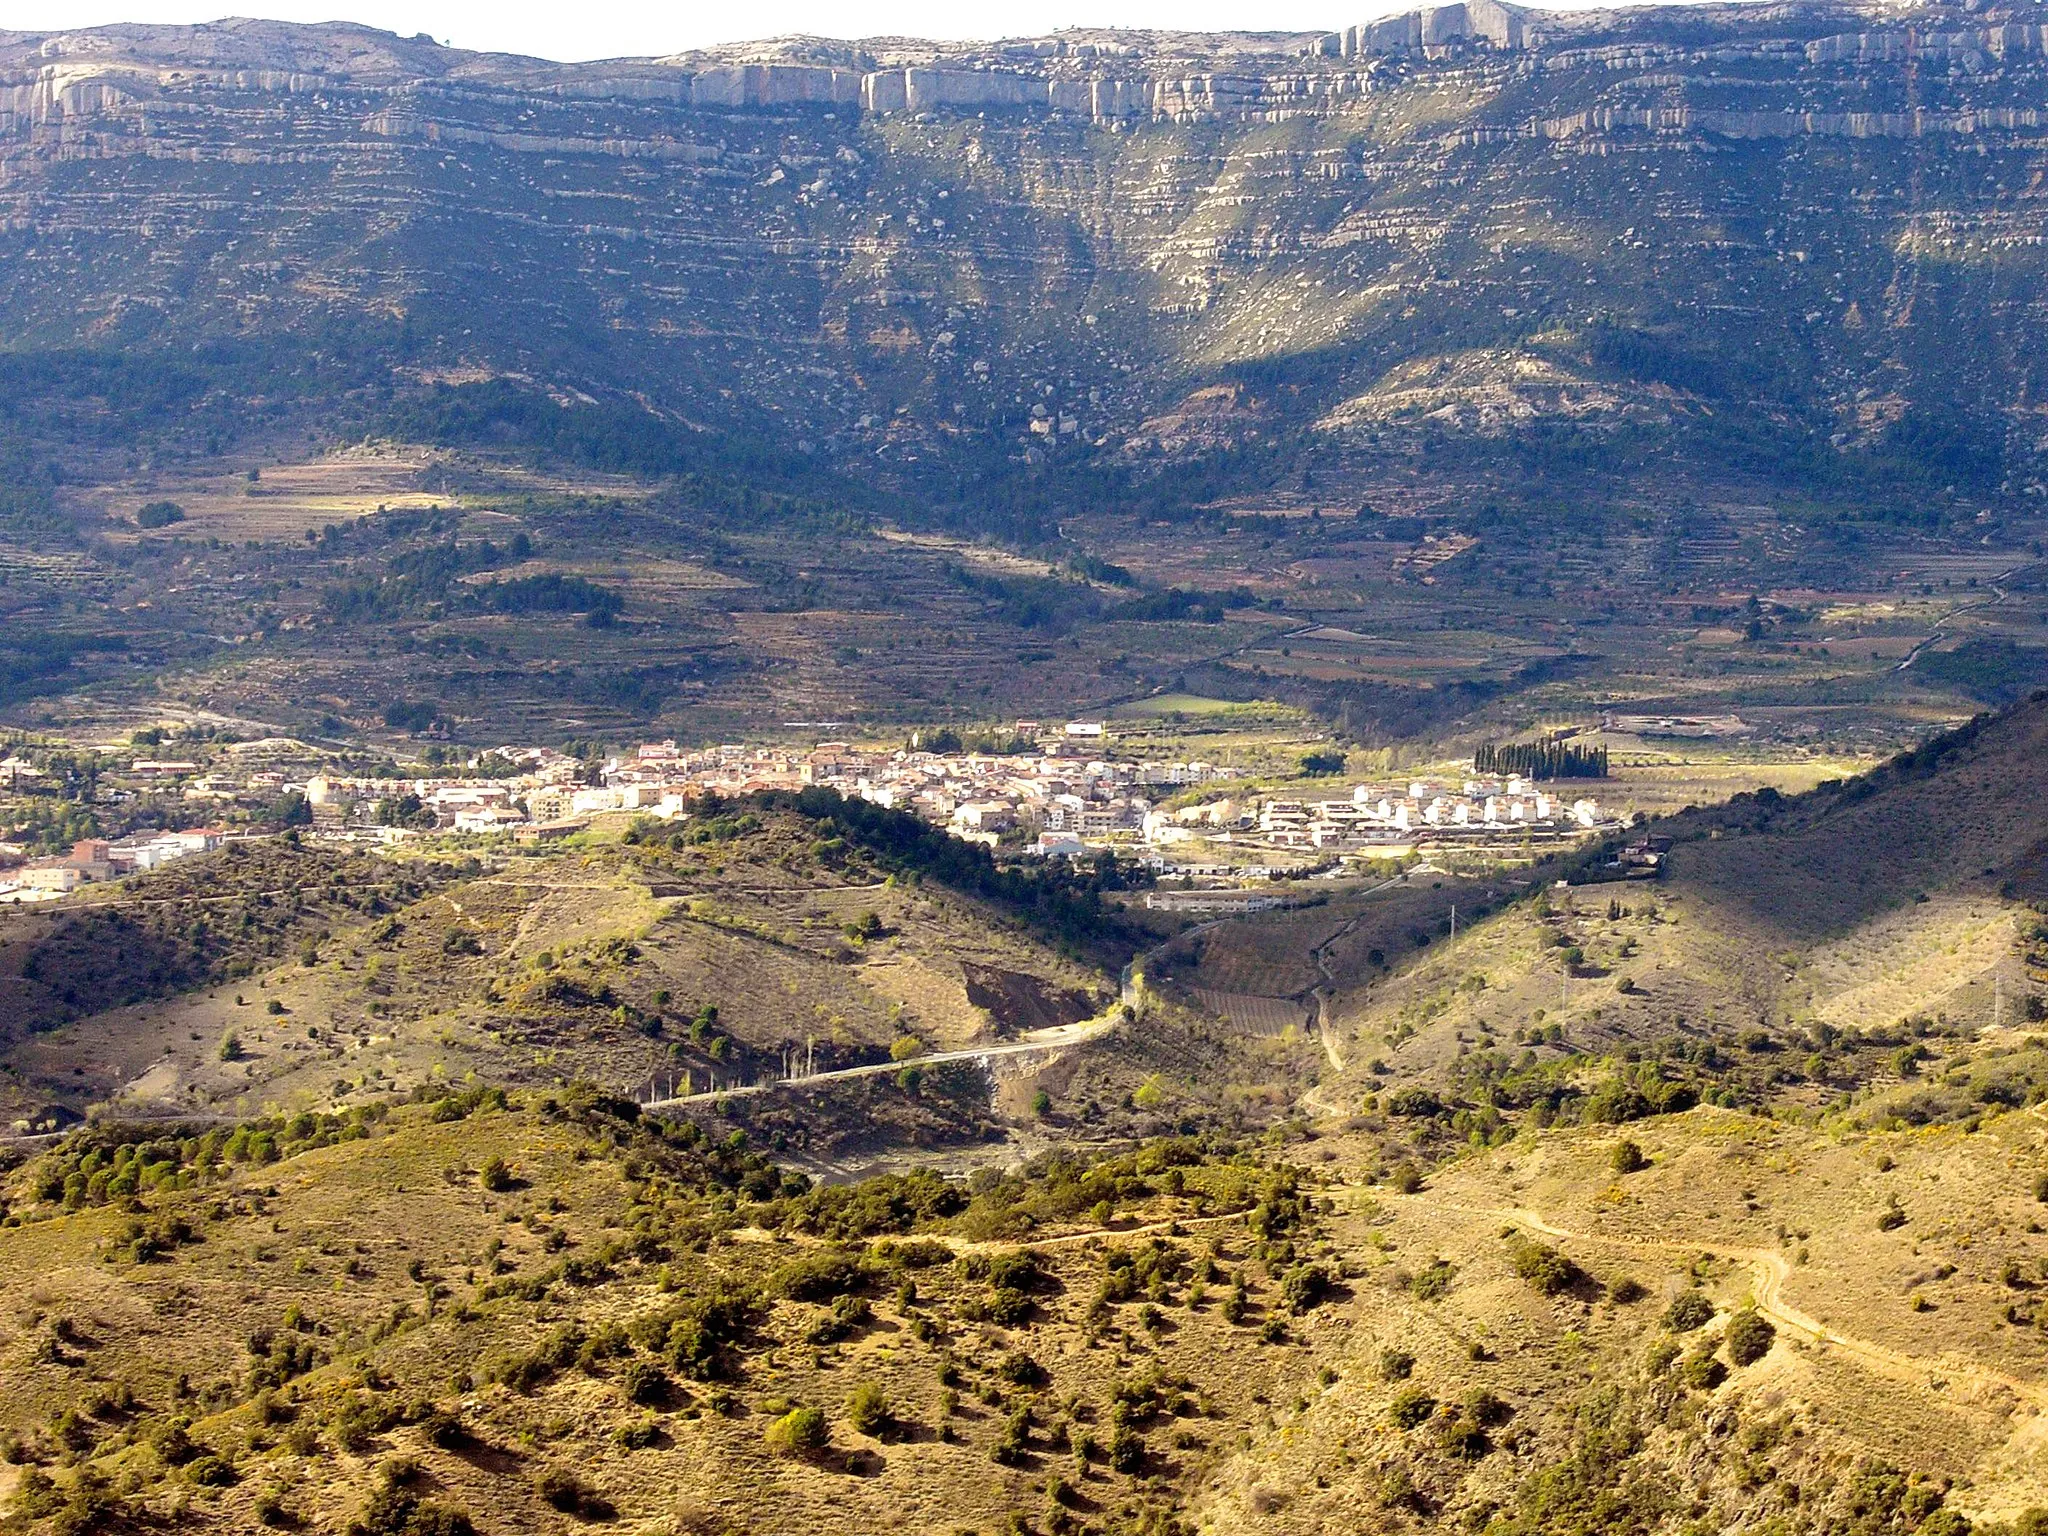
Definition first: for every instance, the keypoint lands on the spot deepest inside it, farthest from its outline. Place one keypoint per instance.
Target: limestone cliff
(886, 245)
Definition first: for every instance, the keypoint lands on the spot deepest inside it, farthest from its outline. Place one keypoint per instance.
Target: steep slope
(1771, 227)
(749, 951)
(1794, 947)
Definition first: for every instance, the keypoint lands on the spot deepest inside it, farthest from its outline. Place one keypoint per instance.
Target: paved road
(1041, 1040)
(1998, 596)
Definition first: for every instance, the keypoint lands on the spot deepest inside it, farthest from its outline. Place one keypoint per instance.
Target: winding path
(1999, 595)
(1770, 1270)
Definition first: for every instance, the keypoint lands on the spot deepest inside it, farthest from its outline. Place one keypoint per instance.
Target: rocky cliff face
(890, 246)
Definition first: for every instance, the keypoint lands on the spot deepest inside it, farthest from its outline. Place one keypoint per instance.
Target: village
(1064, 791)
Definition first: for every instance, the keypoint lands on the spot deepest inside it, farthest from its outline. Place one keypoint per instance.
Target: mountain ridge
(895, 252)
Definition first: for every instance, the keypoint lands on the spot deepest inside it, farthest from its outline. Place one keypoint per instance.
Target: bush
(1465, 1439)
(1749, 1337)
(496, 1175)
(1688, 1310)
(564, 1490)
(1021, 1370)
(637, 1434)
(1702, 1371)
(1626, 1291)
(1306, 1287)
(1396, 1365)
(867, 1409)
(395, 1510)
(1543, 1267)
(1891, 1218)
(799, 1432)
(1434, 1280)
(1628, 1158)
(818, 1277)
(158, 514)
(645, 1383)
(1410, 1408)
(211, 1471)
(1127, 1451)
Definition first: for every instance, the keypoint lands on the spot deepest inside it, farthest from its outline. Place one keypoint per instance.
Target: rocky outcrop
(1506, 27)
(1786, 125)
(65, 79)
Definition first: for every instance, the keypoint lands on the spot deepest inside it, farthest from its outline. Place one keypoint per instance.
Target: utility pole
(1454, 925)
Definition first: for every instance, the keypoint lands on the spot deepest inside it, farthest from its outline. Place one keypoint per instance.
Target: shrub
(645, 1383)
(444, 1430)
(1543, 1267)
(395, 1510)
(564, 1490)
(818, 1277)
(799, 1432)
(1628, 1158)
(1020, 1370)
(1406, 1179)
(1749, 1337)
(211, 1471)
(1626, 1290)
(1410, 1408)
(1434, 1281)
(174, 1445)
(1688, 1310)
(1487, 1407)
(158, 514)
(849, 1315)
(1464, 1439)
(1891, 1218)
(637, 1434)
(1127, 1451)
(1306, 1287)
(1396, 1365)
(867, 1409)
(495, 1175)
(1702, 1371)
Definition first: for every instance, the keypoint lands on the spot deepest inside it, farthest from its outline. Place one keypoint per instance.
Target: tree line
(1541, 760)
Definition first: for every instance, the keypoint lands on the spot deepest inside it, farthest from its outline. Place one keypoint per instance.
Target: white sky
(598, 29)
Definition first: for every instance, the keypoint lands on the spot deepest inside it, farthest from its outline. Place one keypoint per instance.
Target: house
(487, 818)
(52, 879)
(983, 815)
(548, 831)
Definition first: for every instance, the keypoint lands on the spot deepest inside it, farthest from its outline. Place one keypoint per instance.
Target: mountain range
(1796, 240)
